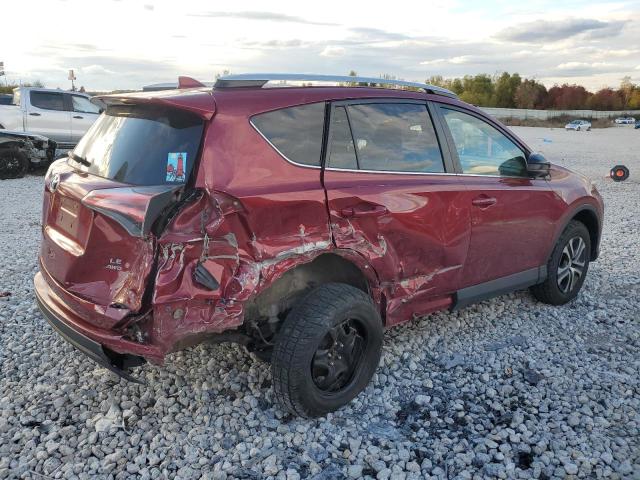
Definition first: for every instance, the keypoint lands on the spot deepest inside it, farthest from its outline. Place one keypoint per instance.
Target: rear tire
(567, 267)
(327, 350)
(13, 163)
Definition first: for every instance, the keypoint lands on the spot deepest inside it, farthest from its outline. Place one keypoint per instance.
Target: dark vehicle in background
(6, 99)
(637, 125)
(299, 222)
(19, 151)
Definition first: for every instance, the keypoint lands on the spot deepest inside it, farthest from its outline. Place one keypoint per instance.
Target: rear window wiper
(79, 159)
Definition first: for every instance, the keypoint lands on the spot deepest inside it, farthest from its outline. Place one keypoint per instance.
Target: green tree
(530, 94)
(626, 91)
(505, 90)
(478, 90)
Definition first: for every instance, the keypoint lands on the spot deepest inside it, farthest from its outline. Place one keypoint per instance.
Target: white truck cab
(57, 114)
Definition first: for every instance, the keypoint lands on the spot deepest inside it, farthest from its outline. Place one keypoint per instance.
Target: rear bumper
(107, 348)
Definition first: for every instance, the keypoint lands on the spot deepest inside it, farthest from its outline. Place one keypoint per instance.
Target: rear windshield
(141, 145)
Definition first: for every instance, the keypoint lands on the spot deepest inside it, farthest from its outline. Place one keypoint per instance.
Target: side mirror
(538, 166)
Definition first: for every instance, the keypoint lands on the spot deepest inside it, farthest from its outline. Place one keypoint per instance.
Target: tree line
(512, 91)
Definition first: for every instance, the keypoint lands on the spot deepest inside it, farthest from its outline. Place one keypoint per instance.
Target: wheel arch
(330, 267)
(588, 216)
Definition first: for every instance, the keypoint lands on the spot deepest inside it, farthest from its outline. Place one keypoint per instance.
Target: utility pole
(72, 77)
(2, 73)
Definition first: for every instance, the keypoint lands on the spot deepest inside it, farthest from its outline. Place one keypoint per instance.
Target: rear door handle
(34, 114)
(483, 201)
(364, 211)
(78, 117)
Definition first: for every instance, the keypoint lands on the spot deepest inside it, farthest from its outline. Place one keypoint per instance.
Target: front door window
(483, 149)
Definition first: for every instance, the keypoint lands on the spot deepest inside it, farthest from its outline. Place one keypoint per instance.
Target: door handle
(364, 211)
(483, 201)
(34, 114)
(78, 117)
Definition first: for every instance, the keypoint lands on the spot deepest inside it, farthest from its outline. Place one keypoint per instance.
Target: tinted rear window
(142, 145)
(47, 100)
(296, 132)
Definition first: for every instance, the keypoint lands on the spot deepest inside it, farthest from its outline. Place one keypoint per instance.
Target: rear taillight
(134, 208)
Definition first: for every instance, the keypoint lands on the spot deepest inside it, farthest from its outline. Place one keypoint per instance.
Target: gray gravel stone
(508, 388)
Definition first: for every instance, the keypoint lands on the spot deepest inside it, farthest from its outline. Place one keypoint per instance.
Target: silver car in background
(578, 125)
(625, 120)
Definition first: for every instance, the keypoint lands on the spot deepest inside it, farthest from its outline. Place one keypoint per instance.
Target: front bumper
(89, 340)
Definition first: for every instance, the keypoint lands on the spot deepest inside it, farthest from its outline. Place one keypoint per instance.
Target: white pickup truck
(56, 114)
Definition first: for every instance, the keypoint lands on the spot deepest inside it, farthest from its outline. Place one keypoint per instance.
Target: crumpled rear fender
(214, 231)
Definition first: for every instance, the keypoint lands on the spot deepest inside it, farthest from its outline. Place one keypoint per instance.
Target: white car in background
(578, 125)
(56, 114)
(625, 120)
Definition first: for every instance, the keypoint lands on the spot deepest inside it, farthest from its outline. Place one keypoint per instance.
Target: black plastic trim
(595, 249)
(510, 283)
(116, 362)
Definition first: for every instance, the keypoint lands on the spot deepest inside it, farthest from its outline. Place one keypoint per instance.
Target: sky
(125, 44)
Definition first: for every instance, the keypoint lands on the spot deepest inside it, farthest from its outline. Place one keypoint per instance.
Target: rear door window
(395, 137)
(295, 132)
(142, 145)
(342, 152)
(47, 100)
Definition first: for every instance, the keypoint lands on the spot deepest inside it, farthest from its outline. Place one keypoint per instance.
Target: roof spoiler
(183, 82)
(188, 82)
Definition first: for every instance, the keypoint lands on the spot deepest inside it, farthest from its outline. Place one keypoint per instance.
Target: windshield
(141, 145)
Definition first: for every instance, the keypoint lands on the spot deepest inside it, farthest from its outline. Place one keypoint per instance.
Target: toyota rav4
(299, 222)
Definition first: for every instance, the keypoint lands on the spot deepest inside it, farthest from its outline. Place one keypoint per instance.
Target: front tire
(567, 267)
(327, 350)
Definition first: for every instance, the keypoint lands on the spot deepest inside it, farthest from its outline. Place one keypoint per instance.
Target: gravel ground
(509, 388)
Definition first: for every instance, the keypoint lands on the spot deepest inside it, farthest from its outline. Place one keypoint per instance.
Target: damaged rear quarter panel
(259, 216)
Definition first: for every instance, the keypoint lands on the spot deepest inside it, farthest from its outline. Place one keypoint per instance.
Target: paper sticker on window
(176, 166)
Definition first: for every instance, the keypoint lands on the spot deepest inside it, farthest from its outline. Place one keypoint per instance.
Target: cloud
(457, 60)
(149, 7)
(573, 69)
(78, 47)
(271, 44)
(573, 65)
(376, 34)
(332, 51)
(554, 30)
(96, 70)
(263, 16)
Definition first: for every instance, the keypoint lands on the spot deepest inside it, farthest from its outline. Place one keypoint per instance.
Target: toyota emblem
(55, 181)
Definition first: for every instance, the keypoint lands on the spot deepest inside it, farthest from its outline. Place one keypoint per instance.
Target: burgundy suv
(299, 222)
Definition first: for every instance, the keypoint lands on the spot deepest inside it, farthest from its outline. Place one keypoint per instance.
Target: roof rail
(261, 79)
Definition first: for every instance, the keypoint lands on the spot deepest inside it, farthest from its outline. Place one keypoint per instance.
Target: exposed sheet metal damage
(214, 232)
